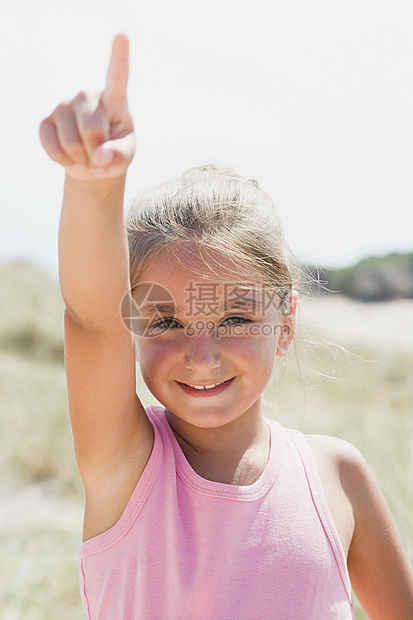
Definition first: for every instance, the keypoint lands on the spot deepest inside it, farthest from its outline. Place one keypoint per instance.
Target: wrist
(96, 189)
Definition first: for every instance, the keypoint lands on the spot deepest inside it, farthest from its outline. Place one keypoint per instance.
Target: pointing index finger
(118, 72)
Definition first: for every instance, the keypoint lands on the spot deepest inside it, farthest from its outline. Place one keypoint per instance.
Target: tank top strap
(298, 440)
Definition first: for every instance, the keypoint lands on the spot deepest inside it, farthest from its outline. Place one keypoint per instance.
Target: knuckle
(45, 122)
(81, 97)
(47, 136)
(61, 110)
(85, 98)
(44, 127)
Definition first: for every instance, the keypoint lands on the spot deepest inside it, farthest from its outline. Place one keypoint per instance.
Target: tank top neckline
(204, 486)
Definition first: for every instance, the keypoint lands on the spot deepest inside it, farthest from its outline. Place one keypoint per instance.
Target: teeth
(205, 387)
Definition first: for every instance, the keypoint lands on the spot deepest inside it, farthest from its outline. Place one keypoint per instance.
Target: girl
(200, 508)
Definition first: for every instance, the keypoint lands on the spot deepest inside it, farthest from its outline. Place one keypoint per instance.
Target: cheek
(155, 356)
(146, 356)
(258, 349)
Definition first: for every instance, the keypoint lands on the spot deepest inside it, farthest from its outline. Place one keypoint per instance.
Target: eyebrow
(161, 308)
(171, 309)
(242, 303)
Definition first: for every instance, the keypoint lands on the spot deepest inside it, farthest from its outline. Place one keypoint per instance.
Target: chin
(207, 417)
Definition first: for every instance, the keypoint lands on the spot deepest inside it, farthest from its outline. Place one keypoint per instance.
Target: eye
(163, 325)
(236, 320)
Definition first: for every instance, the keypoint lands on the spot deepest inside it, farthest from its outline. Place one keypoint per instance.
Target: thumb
(102, 155)
(114, 156)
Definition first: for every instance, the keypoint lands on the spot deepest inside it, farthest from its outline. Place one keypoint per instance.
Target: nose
(202, 354)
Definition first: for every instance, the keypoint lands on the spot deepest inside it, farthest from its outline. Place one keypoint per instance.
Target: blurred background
(314, 101)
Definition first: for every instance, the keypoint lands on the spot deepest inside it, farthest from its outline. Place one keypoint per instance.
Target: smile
(204, 387)
(209, 389)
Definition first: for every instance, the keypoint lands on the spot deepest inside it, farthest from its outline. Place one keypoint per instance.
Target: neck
(235, 453)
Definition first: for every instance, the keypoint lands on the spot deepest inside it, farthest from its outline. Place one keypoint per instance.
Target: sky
(312, 99)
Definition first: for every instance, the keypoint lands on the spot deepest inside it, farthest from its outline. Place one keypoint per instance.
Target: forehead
(185, 284)
(188, 268)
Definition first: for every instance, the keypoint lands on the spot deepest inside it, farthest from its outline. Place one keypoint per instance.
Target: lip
(205, 393)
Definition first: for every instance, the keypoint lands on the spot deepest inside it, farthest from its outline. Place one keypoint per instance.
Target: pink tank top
(192, 549)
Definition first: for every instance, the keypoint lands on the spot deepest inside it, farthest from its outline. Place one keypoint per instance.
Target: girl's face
(208, 355)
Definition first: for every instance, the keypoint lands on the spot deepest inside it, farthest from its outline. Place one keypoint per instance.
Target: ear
(288, 324)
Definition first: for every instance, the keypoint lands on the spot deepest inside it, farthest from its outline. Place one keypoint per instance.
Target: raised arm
(92, 137)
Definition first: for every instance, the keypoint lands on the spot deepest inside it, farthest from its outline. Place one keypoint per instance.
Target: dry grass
(366, 402)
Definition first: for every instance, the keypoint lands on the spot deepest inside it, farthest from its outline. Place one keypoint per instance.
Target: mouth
(208, 389)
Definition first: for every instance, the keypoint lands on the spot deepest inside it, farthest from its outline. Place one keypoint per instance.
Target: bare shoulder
(338, 450)
(336, 461)
(339, 461)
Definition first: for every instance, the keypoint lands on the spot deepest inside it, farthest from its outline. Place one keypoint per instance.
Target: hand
(92, 135)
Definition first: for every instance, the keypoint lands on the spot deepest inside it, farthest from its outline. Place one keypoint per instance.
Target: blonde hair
(220, 213)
